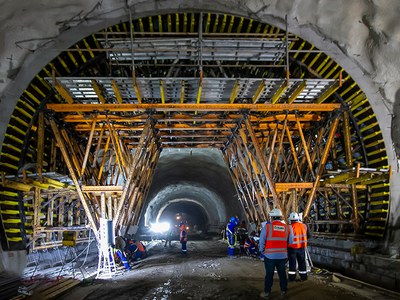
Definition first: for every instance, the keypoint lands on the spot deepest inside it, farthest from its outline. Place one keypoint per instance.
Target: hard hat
(275, 213)
(294, 216)
(233, 220)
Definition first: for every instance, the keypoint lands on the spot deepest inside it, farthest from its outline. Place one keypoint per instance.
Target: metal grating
(214, 90)
(188, 49)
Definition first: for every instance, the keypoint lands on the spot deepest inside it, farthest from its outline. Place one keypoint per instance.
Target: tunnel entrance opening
(187, 211)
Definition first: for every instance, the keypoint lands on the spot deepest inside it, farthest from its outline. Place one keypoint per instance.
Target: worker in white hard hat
(297, 246)
(273, 246)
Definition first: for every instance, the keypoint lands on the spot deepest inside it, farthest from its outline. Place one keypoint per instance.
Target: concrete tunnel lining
(367, 59)
(336, 47)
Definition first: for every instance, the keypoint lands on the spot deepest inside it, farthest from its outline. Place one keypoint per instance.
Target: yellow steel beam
(234, 92)
(102, 188)
(103, 161)
(192, 21)
(162, 91)
(297, 92)
(88, 146)
(82, 198)
(40, 145)
(185, 118)
(182, 97)
(98, 92)
(136, 87)
(286, 186)
(303, 140)
(260, 157)
(160, 24)
(185, 21)
(258, 93)
(275, 98)
(198, 98)
(190, 107)
(321, 168)
(116, 91)
(63, 92)
(177, 22)
(169, 23)
(328, 92)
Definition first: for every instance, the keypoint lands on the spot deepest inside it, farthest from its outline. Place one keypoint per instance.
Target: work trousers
(184, 250)
(270, 265)
(298, 255)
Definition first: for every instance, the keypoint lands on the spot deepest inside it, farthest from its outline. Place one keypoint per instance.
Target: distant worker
(273, 246)
(297, 247)
(243, 225)
(168, 236)
(183, 237)
(230, 234)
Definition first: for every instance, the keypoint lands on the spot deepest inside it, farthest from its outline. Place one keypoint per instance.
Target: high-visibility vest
(183, 236)
(298, 235)
(140, 246)
(277, 239)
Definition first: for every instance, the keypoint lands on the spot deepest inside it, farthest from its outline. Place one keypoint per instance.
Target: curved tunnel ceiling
(197, 175)
(93, 57)
(187, 211)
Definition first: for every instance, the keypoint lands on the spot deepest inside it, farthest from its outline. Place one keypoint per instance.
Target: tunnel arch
(194, 214)
(196, 174)
(307, 32)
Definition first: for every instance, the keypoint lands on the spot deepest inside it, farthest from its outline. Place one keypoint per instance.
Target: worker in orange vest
(273, 247)
(183, 237)
(297, 246)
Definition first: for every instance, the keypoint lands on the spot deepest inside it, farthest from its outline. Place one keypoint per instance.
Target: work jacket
(297, 235)
(183, 236)
(276, 240)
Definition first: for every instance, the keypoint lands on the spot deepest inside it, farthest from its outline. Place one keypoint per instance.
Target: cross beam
(190, 107)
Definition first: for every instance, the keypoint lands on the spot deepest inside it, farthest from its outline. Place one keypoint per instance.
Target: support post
(65, 154)
(262, 163)
(321, 167)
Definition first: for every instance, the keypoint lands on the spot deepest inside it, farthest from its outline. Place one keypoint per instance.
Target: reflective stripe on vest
(298, 235)
(276, 237)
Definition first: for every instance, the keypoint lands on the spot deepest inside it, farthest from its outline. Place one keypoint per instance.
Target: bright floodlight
(159, 227)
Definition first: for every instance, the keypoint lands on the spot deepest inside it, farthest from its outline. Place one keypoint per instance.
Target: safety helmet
(276, 212)
(294, 216)
(233, 220)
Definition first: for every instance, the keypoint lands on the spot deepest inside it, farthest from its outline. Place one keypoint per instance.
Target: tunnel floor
(204, 273)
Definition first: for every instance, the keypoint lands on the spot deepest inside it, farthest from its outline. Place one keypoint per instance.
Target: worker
(183, 237)
(297, 247)
(231, 236)
(168, 237)
(273, 247)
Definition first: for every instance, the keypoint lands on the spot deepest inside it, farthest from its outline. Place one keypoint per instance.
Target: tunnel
(194, 183)
(169, 111)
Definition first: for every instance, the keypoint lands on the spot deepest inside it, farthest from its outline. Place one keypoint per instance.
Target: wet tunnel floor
(204, 273)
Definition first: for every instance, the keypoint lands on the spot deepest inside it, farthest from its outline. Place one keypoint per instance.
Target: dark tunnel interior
(195, 182)
(191, 214)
